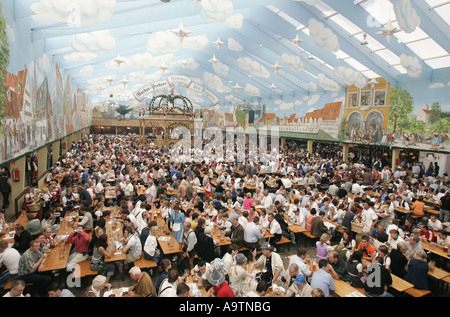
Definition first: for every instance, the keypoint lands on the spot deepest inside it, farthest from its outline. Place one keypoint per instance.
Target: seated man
(339, 267)
(9, 257)
(237, 232)
(30, 268)
(367, 248)
(322, 278)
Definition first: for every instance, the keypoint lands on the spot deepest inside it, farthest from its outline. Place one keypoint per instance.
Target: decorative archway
(374, 120)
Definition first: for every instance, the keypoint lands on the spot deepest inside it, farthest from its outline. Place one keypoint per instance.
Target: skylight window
(341, 54)
(380, 10)
(326, 9)
(439, 62)
(388, 56)
(285, 16)
(444, 12)
(400, 69)
(355, 64)
(405, 38)
(435, 3)
(370, 74)
(346, 24)
(427, 48)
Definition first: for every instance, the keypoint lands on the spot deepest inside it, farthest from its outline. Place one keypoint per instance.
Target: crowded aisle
(117, 219)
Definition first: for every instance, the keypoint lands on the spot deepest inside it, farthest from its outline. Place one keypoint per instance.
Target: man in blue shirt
(322, 278)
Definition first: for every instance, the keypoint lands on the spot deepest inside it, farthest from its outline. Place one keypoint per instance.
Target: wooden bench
(83, 269)
(143, 263)
(415, 292)
(9, 284)
(283, 241)
(432, 211)
(243, 249)
(446, 280)
(309, 235)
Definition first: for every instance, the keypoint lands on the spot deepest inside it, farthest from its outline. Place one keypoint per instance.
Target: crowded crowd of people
(245, 200)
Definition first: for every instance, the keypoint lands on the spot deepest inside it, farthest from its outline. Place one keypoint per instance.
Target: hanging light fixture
(364, 40)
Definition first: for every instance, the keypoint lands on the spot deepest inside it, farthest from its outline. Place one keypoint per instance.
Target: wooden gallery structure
(166, 112)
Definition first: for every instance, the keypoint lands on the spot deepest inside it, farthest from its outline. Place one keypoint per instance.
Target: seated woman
(356, 269)
(151, 249)
(323, 247)
(100, 253)
(418, 270)
(28, 198)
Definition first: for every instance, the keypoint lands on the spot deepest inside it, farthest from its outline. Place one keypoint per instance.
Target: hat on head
(266, 246)
(240, 258)
(216, 277)
(300, 279)
(98, 281)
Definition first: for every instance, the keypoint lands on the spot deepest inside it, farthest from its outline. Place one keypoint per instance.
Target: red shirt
(80, 241)
(224, 290)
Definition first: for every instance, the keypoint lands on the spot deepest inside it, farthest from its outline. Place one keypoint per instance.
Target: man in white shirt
(100, 187)
(132, 246)
(267, 200)
(17, 289)
(150, 193)
(168, 286)
(274, 228)
(9, 257)
(357, 189)
(128, 191)
(435, 223)
(299, 259)
(286, 182)
(252, 234)
(369, 217)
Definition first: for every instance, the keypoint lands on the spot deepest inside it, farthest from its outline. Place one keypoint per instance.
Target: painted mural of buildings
(67, 107)
(366, 111)
(327, 119)
(43, 113)
(57, 104)
(18, 123)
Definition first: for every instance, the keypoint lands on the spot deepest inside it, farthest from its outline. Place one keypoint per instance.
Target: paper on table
(193, 287)
(329, 225)
(164, 238)
(355, 294)
(118, 292)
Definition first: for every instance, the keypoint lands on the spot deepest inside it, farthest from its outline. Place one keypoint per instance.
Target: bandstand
(166, 112)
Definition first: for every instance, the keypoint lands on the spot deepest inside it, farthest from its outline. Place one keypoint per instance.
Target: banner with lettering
(170, 82)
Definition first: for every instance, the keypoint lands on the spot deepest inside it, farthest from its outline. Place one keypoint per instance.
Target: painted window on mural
(353, 99)
(366, 98)
(380, 98)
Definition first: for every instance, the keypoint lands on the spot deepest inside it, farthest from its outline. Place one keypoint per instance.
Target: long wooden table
(58, 256)
(343, 289)
(436, 250)
(9, 232)
(113, 230)
(398, 283)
